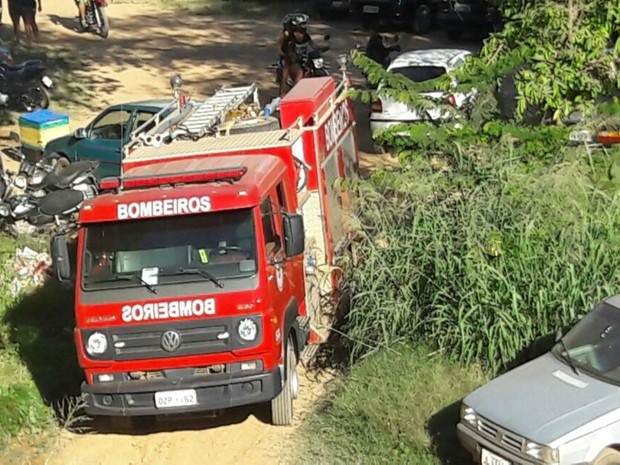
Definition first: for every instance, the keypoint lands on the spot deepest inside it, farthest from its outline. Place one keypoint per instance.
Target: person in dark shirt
(376, 49)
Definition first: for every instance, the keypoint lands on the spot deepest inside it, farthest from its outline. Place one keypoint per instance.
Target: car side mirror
(80, 133)
(61, 262)
(558, 335)
(294, 234)
(327, 37)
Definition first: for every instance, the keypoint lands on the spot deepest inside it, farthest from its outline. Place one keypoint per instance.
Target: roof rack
(195, 120)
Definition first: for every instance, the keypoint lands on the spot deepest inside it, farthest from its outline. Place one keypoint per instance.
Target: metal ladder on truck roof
(212, 111)
(196, 119)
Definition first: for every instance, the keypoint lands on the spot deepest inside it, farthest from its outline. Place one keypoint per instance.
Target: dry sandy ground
(145, 47)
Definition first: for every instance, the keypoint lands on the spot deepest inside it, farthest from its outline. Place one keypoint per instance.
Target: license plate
(47, 82)
(580, 136)
(370, 9)
(460, 8)
(338, 4)
(489, 458)
(182, 398)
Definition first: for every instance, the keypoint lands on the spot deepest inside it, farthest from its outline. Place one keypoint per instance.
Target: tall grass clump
(482, 248)
(394, 408)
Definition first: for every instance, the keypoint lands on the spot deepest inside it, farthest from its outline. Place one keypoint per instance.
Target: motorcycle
(97, 18)
(19, 84)
(312, 64)
(55, 197)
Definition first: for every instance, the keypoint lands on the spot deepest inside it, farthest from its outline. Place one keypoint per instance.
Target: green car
(105, 136)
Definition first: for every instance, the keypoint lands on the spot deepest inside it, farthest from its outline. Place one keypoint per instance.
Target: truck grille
(147, 343)
(510, 440)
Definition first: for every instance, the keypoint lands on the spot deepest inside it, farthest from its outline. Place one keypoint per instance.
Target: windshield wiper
(567, 357)
(203, 273)
(132, 277)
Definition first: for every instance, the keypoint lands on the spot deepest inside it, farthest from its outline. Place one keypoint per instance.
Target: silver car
(419, 66)
(561, 408)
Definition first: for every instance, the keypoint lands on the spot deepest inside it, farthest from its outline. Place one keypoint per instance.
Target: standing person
(26, 10)
(29, 13)
(81, 4)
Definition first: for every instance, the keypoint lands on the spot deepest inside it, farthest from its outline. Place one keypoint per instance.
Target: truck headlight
(543, 453)
(469, 416)
(247, 330)
(96, 344)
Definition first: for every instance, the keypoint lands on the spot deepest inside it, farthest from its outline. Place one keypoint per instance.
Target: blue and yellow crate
(38, 128)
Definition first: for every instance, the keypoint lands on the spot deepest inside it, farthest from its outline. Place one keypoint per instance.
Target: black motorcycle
(52, 200)
(25, 85)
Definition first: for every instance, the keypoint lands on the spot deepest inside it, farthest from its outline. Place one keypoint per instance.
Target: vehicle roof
(155, 103)
(428, 57)
(262, 170)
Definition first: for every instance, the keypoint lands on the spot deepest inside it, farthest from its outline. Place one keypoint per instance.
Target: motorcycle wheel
(102, 21)
(35, 98)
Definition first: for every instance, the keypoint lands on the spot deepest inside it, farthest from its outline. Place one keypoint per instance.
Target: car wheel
(422, 20)
(609, 456)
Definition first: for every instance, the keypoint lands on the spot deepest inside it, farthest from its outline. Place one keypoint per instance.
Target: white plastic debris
(29, 268)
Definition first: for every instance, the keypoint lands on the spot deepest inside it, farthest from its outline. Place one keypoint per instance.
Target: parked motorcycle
(24, 84)
(52, 200)
(313, 65)
(97, 18)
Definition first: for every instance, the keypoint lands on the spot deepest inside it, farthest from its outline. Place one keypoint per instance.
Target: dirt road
(145, 47)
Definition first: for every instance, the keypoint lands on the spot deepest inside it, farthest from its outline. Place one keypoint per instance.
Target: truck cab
(192, 281)
(562, 408)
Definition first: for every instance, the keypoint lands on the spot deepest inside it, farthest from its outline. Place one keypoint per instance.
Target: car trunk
(400, 111)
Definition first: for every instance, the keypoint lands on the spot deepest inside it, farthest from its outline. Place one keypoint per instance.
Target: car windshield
(215, 246)
(420, 73)
(594, 343)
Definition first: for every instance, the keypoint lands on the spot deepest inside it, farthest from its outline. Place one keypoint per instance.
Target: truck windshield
(215, 246)
(594, 343)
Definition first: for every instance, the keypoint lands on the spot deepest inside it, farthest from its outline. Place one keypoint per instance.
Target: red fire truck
(202, 272)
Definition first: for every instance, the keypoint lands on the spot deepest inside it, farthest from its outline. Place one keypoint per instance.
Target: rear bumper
(473, 443)
(136, 398)
(337, 6)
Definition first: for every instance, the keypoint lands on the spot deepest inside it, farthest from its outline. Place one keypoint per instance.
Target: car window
(111, 126)
(142, 117)
(420, 73)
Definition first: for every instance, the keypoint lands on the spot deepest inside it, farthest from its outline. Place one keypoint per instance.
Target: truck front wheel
(608, 457)
(282, 405)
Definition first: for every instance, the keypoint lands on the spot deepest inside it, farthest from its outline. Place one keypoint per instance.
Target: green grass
(395, 407)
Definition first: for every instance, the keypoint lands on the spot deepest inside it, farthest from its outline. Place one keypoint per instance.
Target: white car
(419, 66)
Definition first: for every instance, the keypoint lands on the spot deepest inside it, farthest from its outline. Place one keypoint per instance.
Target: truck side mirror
(294, 234)
(60, 258)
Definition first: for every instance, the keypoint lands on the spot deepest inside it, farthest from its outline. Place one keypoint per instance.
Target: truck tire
(258, 124)
(608, 457)
(422, 20)
(282, 405)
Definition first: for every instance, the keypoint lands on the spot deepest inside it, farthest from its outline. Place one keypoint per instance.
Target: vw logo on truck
(170, 341)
